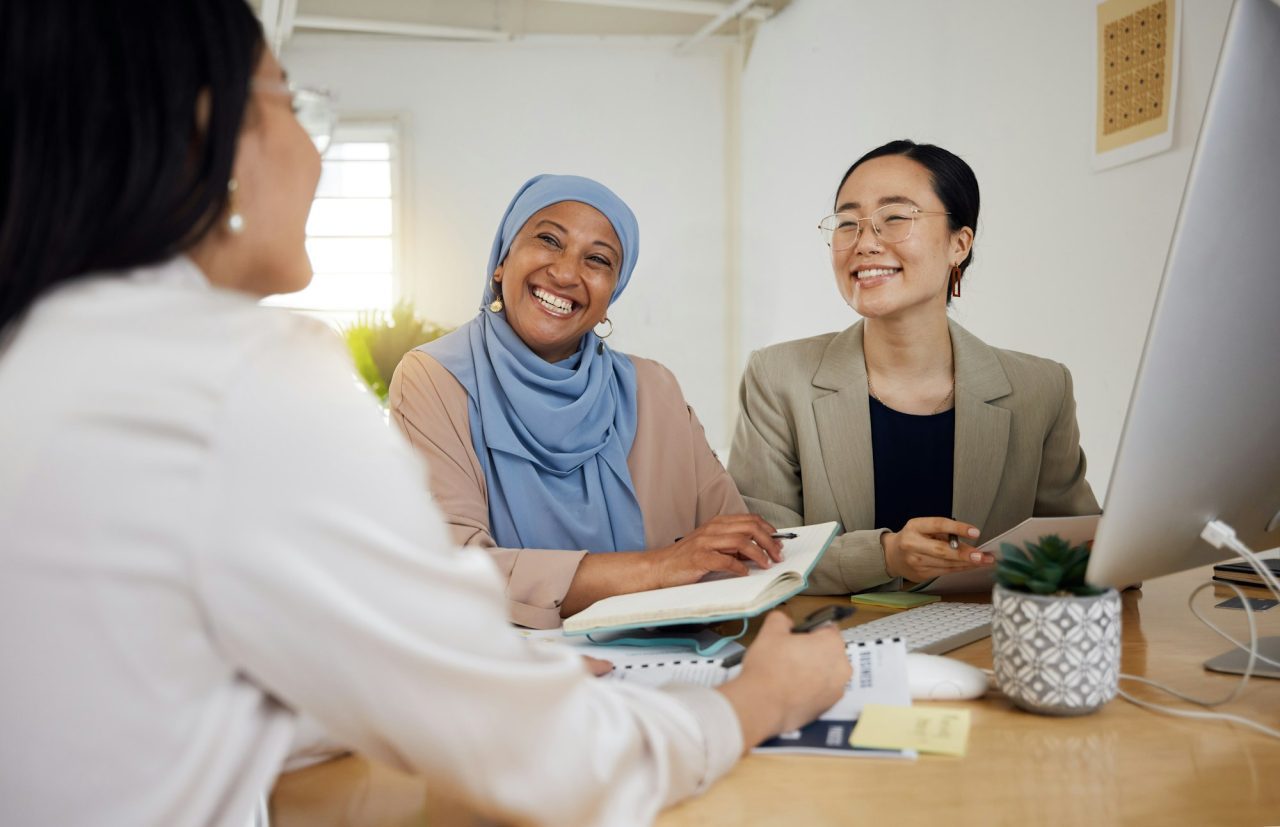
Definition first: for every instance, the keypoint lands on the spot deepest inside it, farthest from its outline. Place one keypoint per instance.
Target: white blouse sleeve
(328, 579)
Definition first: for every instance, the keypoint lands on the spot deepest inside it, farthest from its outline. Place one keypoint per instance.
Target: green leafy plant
(378, 340)
(1050, 566)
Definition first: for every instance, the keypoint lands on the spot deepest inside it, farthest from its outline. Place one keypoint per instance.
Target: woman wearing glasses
(905, 427)
(545, 444)
(208, 530)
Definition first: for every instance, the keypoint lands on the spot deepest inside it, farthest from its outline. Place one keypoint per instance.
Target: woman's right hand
(722, 544)
(787, 680)
(922, 549)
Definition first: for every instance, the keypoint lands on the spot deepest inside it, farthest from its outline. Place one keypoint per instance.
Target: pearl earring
(235, 221)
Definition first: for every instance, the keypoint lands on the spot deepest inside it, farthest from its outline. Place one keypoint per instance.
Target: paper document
(1074, 530)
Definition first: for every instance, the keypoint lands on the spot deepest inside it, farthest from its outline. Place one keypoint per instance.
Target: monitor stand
(1233, 662)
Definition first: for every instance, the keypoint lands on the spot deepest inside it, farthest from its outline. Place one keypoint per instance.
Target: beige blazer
(802, 448)
(679, 482)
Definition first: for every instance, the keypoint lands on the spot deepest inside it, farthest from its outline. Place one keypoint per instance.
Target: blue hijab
(552, 438)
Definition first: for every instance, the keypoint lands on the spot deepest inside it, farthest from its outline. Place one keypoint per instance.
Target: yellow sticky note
(927, 729)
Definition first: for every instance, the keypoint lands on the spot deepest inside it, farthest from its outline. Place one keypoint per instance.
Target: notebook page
(879, 677)
(662, 670)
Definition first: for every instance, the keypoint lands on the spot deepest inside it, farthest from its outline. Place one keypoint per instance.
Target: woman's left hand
(596, 666)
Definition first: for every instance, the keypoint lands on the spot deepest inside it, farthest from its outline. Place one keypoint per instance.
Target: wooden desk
(1121, 765)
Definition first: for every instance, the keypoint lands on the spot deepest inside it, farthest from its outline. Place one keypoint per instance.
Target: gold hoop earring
(235, 221)
(495, 306)
(600, 344)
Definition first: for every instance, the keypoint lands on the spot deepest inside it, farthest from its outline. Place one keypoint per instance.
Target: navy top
(914, 458)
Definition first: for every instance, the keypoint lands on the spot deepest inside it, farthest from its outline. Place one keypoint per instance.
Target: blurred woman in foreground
(191, 556)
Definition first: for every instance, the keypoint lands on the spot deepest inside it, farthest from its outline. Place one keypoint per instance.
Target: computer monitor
(1202, 436)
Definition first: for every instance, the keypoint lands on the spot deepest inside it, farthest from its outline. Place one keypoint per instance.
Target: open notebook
(711, 601)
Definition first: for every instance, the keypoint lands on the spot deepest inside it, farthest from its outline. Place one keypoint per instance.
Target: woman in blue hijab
(546, 445)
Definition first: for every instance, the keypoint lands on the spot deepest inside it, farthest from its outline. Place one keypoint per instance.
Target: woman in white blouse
(207, 530)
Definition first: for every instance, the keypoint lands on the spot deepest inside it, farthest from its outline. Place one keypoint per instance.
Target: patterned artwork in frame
(1137, 79)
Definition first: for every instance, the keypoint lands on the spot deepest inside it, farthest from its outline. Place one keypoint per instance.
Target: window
(353, 232)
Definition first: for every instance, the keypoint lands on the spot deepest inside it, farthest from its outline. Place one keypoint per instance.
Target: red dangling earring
(956, 275)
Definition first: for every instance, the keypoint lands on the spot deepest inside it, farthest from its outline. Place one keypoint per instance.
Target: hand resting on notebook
(726, 543)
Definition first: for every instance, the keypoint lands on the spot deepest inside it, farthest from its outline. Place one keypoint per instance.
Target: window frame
(371, 128)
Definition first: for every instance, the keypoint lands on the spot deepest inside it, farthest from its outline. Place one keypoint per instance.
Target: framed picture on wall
(1136, 70)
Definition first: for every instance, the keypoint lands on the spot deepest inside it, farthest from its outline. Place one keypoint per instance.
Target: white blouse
(206, 529)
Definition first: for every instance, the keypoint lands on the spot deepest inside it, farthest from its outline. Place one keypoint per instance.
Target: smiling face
(880, 279)
(558, 277)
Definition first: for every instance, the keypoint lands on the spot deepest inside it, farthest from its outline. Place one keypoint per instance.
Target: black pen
(785, 535)
(827, 614)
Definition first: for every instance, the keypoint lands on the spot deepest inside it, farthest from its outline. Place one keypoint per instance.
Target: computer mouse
(935, 678)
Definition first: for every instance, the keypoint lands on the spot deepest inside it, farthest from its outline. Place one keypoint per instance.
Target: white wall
(1067, 261)
(480, 119)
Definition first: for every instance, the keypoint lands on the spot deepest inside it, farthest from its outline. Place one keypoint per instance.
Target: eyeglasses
(312, 107)
(892, 223)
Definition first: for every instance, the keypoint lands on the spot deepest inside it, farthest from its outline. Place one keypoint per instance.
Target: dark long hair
(102, 164)
(953, 182)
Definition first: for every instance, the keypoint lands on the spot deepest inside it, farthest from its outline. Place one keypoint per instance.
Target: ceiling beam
(729, 12)
(706, 8)
(394, 27)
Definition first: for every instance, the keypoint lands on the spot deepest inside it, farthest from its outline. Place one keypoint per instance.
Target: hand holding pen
(723, 544)
(787, 680)
(929, 547)
(822, 617)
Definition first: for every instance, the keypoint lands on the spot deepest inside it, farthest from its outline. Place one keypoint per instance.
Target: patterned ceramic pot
(1056, 655)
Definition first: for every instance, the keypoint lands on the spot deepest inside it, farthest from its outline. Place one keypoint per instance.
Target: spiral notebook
(879, 677)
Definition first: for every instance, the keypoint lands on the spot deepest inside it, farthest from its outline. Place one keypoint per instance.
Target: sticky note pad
(894, 600)
(926, 729)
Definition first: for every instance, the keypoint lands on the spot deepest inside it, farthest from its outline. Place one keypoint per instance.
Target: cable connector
(1218, 534)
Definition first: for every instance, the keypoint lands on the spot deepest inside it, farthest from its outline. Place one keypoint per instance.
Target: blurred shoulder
(794, 362)
(1033, 374)
(654, 378)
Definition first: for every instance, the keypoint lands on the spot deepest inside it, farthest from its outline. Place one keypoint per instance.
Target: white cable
(1191, 713)
(1219, 534)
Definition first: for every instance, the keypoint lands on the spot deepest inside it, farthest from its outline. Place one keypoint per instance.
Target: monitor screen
(1202, 436)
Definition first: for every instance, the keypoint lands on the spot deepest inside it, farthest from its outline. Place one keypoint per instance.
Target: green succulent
(1050, 566)
(378, 340)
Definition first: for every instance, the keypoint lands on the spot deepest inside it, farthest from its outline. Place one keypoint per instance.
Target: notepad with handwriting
(711, 601)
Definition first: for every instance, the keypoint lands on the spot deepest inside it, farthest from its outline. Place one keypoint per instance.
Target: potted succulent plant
(1055, 638)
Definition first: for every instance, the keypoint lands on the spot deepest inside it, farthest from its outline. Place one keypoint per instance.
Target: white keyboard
(931, 629)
